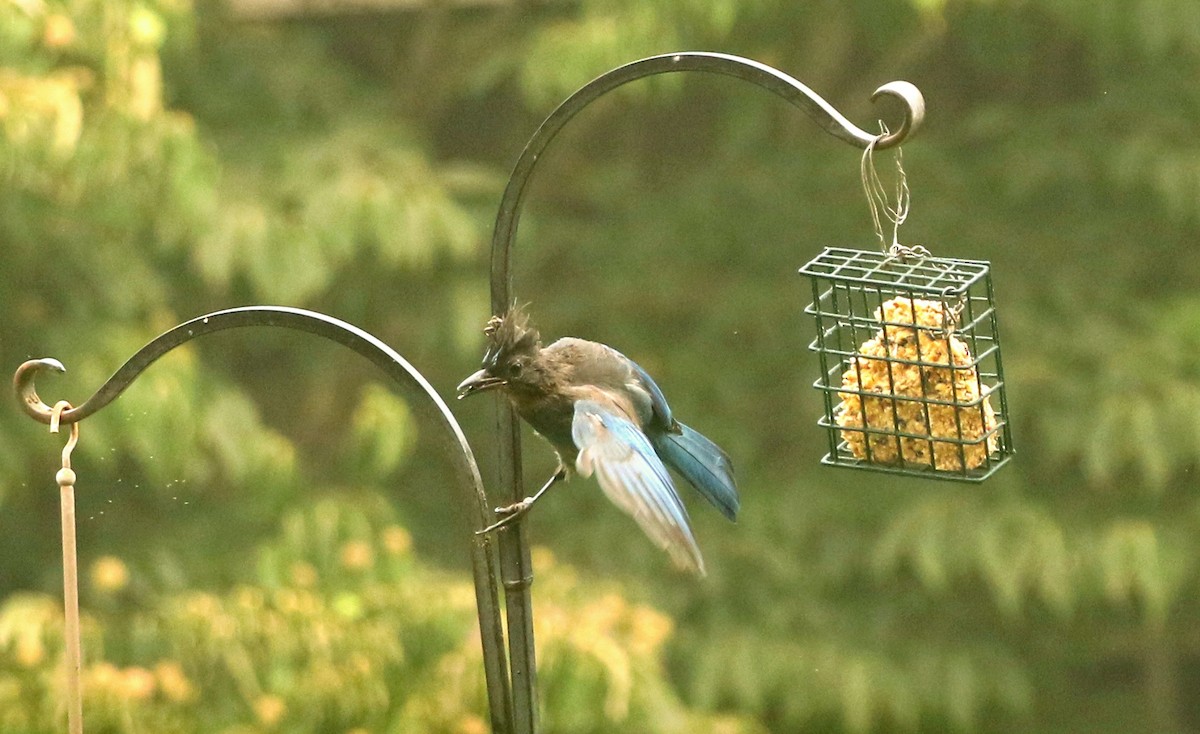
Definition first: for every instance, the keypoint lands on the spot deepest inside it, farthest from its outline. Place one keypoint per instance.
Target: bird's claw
(516, 507)
(509, 513)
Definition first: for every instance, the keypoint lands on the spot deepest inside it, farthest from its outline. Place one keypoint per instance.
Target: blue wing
(634, 478)
(658, 401)
(700, 461)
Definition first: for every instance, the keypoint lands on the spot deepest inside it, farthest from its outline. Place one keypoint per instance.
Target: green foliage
(343, 629)
(383, 438)
(347, 196)
(1018, 551)
(1133, 420)
(603, 35)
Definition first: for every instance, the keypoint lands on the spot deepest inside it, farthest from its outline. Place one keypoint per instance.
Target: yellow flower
(223, 626)
(552, 621)
(396, 540)
(30, 651)
(460, 595)
(249, 598)
(138, 683)
(102, 676)
(361, 664)
(59, 31)
(727, 725)
(202, 605)
(542, 558)
(110, 574)
(649, 629)
(471, 724)
(304, 574)
(173, 683)
(270, 710)
(357, 555)
(146, 27)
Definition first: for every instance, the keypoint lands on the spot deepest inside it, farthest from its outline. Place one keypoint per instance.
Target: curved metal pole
(773, 80)
(516, 568)
(426, 399)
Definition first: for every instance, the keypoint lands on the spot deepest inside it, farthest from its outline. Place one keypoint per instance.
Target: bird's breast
(551, 417)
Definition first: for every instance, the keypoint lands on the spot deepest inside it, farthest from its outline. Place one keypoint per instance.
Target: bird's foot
(509, 514)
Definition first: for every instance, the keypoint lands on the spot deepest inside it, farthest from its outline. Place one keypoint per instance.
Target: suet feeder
(909, 353)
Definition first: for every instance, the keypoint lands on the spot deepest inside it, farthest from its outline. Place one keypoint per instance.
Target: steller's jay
(604, 415)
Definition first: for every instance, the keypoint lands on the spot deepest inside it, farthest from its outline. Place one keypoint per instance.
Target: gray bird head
(512, 345)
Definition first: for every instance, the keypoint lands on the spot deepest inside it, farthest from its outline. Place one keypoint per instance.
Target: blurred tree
(160, 161)
(340, 629)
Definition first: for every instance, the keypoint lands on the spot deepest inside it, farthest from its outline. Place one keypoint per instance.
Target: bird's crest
(508, 335)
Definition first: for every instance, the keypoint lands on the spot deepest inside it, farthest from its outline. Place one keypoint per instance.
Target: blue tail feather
(703, 464)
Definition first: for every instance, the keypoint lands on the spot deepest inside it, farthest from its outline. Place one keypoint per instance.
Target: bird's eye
(515, 368)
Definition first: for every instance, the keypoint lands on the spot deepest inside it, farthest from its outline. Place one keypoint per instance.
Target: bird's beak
(478, 382)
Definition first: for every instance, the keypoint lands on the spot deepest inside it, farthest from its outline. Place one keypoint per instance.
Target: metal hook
(914, 111)
(34, 406)
(951, 315)
(55, 419)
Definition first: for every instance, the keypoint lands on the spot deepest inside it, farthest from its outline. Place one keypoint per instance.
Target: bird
(605, 416)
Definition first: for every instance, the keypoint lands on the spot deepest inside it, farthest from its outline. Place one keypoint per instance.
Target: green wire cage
(909, 353)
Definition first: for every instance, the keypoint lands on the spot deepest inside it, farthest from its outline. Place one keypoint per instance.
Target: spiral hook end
(914, 111)
(23, 385)
(49, 363)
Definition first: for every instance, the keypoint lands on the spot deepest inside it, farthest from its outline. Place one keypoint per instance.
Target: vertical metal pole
(516, 574)
(74, 651)
(72, 647)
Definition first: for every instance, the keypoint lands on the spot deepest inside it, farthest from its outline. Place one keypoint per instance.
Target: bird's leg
(517, 509)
